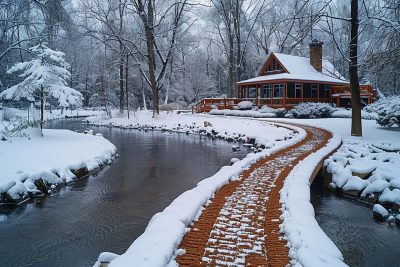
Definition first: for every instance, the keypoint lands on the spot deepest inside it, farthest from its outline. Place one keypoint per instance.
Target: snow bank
(301, 111)
(346, 113)
(50, 158)
(367, 166)
(157, 245)
(243, 113)
(308, 244)
(54, 114)
(263, 134)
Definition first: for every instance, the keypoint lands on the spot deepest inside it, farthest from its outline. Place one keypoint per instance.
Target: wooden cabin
(285, 81)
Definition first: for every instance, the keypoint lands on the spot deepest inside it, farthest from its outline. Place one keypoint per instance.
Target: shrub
(388, 110)
(245, 105)
(312, 110)
(279, 113)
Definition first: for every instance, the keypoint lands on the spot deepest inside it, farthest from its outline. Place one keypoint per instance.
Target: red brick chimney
(316, 54)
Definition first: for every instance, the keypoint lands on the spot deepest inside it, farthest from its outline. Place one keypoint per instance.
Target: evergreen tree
(47, 75)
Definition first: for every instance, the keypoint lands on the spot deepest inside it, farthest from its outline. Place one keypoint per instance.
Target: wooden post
(284, 95)
(318, 92)
(272, 94)
(302, 92)
(257, 95)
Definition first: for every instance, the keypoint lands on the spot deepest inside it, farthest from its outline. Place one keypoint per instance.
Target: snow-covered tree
(47, 74)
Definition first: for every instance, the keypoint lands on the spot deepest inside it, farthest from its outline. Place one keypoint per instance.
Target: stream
(109, 210)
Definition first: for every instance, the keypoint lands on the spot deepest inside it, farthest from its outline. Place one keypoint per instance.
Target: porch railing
(206, 104)
(364, 89)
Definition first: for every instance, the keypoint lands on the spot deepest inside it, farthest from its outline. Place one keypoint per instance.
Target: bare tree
(356, 127)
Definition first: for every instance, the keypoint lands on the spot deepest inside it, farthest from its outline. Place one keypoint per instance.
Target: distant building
(285, 81)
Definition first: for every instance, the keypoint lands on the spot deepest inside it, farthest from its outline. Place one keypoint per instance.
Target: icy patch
(3, 217)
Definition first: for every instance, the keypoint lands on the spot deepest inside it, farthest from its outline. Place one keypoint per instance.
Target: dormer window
(274, 67)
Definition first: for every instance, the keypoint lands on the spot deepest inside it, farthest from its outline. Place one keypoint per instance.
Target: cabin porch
(286, 95)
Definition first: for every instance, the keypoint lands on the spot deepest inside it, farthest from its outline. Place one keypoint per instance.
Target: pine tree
(47, 75)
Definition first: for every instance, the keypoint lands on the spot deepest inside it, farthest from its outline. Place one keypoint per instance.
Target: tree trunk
(121, 79)
(41, 109)
(149, 31)
(356, 127)
(126, 85)
(230, 68)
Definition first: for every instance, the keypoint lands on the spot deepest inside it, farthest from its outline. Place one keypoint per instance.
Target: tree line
(148, 53)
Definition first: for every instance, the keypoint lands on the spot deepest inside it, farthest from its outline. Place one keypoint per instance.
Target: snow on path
(51, 158)
(244, 227)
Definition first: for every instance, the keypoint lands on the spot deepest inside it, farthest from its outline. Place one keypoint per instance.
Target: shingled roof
(300, 68)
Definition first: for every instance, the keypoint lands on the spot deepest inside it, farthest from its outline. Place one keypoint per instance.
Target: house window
(243, 92)
(252, 92)
(314, 90)
(327, 91)
(266, 91)
(298, 87)
(278, 90)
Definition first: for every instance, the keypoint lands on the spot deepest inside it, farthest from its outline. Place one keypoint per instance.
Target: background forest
(129, 52)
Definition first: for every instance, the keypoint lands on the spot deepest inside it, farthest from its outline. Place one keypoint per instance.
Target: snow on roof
(300, 68)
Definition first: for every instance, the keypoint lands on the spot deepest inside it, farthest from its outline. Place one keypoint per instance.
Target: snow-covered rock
(380, 213)
(375, 187)
(234, 160)
(390, 196)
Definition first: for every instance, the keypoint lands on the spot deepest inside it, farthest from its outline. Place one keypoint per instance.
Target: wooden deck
(338, 92)
(206, 104)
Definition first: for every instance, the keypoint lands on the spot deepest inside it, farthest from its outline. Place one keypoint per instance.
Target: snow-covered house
(286, 80)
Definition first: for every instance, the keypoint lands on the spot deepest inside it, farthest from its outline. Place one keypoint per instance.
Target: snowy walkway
(240, 225)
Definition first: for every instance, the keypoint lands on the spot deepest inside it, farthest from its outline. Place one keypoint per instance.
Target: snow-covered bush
(346, 113)
(245, 105)
(279, 112)
(311, 110)
(388, 110)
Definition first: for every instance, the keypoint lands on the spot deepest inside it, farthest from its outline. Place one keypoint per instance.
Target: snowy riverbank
(32, 165)
(10, 113)
(263, 135)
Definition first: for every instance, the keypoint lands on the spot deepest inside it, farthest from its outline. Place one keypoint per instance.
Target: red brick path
(240, 225)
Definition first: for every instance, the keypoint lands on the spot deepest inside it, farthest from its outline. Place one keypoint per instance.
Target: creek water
(349, 224)
(106, 212)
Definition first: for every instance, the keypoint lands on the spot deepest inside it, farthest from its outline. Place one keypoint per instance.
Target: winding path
(240, 224)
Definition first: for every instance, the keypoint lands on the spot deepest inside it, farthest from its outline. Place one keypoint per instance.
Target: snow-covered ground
(27, 162)
(266, 112)
(265, 135)
(55, 113)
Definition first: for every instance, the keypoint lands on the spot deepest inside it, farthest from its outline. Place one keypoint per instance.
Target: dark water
(349, 223)
(108, 211)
